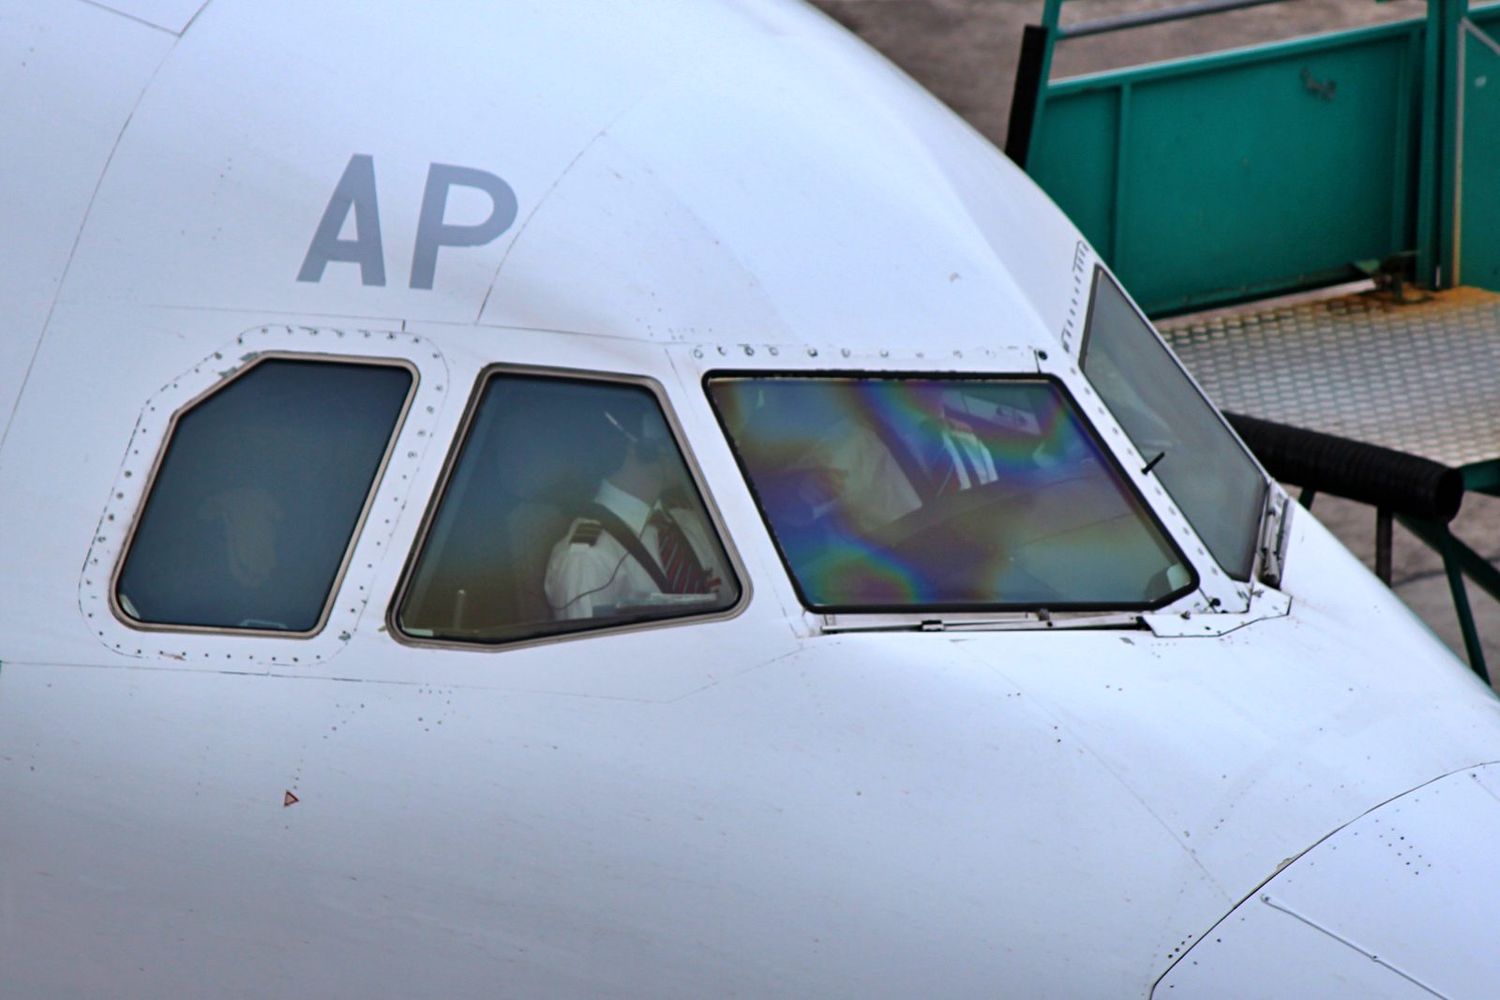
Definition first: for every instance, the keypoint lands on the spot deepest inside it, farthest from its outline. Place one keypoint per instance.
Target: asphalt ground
(965, 52)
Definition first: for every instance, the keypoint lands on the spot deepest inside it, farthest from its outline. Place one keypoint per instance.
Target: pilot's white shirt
(868, 487)
(589, 572)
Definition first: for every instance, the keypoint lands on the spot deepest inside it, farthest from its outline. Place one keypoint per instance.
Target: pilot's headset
(648, 447)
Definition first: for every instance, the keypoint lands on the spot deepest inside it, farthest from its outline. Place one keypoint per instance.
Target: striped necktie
(685, 574)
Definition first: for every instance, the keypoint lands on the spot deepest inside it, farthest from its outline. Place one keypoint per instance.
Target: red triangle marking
(289, 800)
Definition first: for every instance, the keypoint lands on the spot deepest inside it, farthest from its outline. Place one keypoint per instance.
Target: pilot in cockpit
(848, 462)
(641, 543)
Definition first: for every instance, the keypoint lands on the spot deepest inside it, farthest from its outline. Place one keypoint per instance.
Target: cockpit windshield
(1204, 467)
(962, 494)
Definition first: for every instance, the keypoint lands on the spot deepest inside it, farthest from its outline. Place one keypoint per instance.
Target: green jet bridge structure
(1260, 172)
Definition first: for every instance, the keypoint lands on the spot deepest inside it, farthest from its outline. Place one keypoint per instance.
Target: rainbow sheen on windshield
(931, 493)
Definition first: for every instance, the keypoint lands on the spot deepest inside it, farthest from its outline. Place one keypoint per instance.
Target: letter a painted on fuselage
(356, 191)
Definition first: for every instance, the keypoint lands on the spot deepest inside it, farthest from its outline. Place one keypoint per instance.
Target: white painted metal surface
(171, 16)
(1360, 904)
(761, 805)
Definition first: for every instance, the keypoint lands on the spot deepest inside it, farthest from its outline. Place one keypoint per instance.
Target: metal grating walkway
(1422, 378)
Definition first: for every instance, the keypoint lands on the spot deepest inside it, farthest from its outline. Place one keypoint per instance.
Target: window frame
(927, 612)
(1258, 547)
(149, 486)
(440, 488)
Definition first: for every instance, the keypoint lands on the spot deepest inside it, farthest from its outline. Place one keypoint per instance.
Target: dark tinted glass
(570, 507)
(259, 494)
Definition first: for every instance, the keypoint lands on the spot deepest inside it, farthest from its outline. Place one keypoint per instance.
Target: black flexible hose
(1382, 477)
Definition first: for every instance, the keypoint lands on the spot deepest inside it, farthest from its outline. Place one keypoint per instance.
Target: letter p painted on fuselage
(433, 232)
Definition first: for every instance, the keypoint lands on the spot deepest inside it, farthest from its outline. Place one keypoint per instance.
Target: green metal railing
(1260, 171)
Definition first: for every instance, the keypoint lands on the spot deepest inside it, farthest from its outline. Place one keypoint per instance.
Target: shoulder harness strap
(621, 531)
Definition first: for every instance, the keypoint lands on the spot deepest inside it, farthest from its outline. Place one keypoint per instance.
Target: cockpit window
(259, 493)
(914, 494)
(1214, 481)
(569, 507)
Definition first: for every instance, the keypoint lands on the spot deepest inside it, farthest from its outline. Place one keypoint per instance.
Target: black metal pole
(1383, 544)
(1023, 99)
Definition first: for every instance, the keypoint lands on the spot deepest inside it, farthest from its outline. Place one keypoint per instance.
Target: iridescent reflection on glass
(911, 493)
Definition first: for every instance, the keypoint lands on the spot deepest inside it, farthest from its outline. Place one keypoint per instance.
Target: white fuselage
(769, 802)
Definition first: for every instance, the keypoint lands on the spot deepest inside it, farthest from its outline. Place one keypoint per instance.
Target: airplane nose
(1399, 903)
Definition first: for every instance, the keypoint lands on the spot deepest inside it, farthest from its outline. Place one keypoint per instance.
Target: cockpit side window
(258, 496)
(569, 507)
(906, 493)
(1209, 474)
